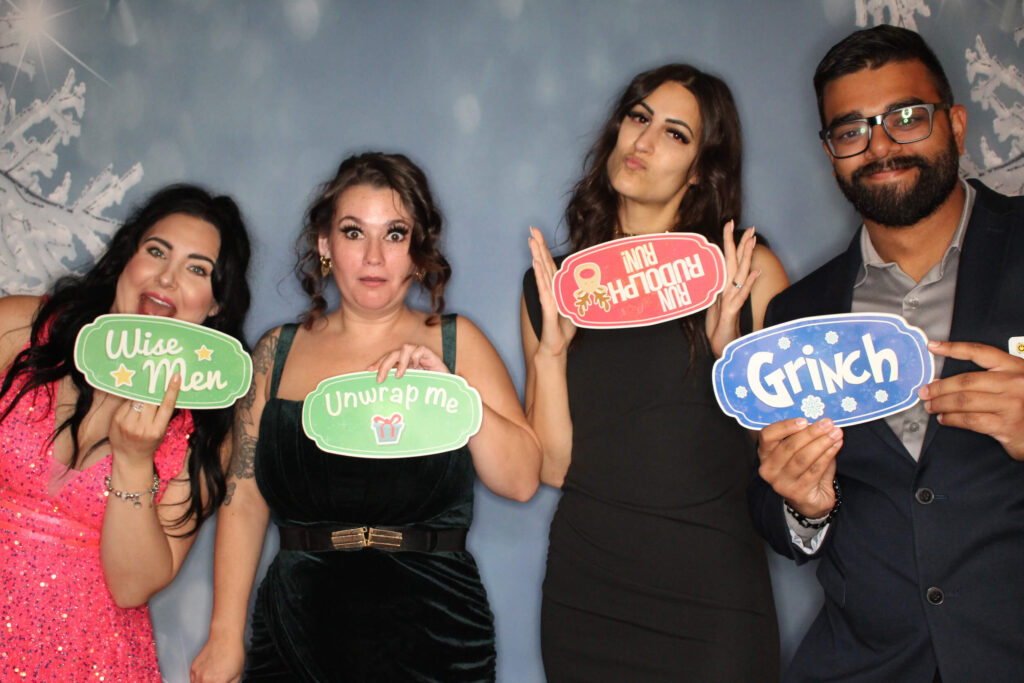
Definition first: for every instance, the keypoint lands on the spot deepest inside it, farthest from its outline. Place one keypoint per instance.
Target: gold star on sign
(203, 353)
(122, 376)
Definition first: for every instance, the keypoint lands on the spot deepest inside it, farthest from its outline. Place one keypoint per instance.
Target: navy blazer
(923, 568)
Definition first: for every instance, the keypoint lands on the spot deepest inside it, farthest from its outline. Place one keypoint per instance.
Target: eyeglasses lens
(904, 125)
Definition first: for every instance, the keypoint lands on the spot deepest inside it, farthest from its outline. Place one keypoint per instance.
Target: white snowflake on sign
(43, 234)
(849, 404)
(784, 343)
(812, 407)
(831, 337)
(741, 392)
(901, 12)
(881, 395)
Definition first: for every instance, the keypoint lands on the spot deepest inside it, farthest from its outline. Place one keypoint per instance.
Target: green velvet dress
(370, 614)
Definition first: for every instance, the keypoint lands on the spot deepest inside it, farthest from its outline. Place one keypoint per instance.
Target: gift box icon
(387, 430)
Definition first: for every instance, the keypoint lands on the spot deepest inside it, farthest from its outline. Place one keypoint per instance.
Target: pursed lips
(634, 163)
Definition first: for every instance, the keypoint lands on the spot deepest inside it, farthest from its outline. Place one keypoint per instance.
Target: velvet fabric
(370, 614)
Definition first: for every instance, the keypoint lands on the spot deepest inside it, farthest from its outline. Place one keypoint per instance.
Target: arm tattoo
(245, 434)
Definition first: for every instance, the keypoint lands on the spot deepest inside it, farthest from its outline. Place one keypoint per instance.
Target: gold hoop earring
(325, 265)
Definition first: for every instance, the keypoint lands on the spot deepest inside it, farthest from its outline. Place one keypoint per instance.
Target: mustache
(894, 164)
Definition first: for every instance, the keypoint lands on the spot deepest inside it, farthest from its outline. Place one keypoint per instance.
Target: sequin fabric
(58, 621)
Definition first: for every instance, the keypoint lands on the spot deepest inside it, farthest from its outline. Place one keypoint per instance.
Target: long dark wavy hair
(714, 199)
(378, 170)
(76, 300)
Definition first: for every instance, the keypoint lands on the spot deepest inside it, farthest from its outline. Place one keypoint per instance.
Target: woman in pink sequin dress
(78, 563)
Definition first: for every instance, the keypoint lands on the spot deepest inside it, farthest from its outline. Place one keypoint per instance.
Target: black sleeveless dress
(370, 614)
(654, 570)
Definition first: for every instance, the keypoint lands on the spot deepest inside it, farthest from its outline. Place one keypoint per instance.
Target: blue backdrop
(103, 101)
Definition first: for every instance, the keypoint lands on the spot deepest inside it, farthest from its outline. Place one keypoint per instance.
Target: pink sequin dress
(58, 621)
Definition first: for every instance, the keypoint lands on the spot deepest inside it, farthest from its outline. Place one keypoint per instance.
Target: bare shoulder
(16, 316)
(469, 334)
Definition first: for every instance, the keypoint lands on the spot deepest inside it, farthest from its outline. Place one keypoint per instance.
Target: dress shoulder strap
(448, 340)
(284, 345)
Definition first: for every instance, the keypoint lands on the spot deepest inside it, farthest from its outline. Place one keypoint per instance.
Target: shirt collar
(870, 257)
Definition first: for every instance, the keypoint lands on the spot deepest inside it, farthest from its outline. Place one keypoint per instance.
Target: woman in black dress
(654, 570)
(335, 604)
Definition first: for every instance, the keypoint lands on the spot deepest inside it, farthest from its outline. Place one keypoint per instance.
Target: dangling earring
(419, 275)
(325, 265)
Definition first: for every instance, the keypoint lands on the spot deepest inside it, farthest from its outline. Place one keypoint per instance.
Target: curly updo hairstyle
(382, 171)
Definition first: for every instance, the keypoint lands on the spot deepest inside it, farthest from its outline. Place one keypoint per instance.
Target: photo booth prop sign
(135, 356)
(419, 413)
(642, 280)
(849, 367)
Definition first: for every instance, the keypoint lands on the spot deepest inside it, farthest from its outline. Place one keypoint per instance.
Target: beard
(894, 206)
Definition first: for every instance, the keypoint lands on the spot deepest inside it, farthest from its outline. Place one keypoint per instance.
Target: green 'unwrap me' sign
(135, 356)
(417, 414)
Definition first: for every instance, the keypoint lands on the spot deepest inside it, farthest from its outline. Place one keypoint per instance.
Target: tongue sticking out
(150, 306)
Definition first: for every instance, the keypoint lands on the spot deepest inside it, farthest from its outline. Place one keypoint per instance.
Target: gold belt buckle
(366, 537)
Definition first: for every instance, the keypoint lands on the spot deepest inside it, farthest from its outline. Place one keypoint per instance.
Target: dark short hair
(378, 170)
(872, 48)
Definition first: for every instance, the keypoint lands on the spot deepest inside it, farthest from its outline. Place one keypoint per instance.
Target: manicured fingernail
(934, 344)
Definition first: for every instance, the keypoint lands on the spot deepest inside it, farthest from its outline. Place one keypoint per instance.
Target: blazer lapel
(977, 279)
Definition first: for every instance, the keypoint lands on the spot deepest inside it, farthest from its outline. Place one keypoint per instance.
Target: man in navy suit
(923, 565)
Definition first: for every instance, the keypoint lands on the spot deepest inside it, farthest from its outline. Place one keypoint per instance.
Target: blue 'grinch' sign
(849, 367)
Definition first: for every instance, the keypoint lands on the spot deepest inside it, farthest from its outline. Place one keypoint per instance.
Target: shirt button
(924, 496)
(912, 303)
(913, 427)
(935, 596)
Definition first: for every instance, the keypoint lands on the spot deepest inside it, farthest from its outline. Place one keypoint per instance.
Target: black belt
(391, 538)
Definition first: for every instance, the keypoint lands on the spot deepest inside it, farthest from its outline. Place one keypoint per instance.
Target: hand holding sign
(989, 402)
(137, 429)
(799, 462)
(408, 357)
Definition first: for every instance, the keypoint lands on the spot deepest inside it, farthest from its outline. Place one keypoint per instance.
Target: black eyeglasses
(904, 125)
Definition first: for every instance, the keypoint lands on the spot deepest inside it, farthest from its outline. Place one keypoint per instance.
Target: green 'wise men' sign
(135, 356)
(417, 414)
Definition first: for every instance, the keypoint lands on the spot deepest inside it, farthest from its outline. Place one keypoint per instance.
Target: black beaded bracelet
(803, 521)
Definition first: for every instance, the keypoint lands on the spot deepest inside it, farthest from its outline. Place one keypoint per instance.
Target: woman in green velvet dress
(371, 614)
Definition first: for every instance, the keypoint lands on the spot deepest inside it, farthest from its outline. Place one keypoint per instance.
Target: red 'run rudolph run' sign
(642, 280)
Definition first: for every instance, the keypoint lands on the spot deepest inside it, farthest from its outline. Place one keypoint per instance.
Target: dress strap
(448, 340)
(284, 345)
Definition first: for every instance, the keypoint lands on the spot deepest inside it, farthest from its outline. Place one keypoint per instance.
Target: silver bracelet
(133, 498)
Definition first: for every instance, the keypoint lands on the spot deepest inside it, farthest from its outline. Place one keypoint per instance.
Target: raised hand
(988, 402)
(722, 322)
(558, 330)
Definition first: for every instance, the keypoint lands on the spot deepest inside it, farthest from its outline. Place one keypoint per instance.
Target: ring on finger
(137, 406)
(737, 285)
